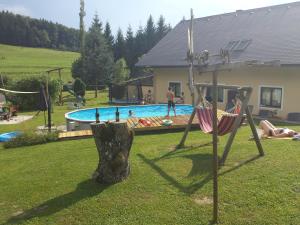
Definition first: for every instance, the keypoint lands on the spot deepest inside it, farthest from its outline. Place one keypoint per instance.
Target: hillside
(16, 62)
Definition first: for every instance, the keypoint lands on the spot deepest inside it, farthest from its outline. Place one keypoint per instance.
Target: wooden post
(2, 82)
(96, 89)
(61, 88)
(113, 141)
(189, 125)
(187, 129)
(254, 132)
(215, 146)
(236, 125)
(49, 102)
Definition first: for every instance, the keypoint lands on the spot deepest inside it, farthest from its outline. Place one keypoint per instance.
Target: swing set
(228, 123)
(208, 119)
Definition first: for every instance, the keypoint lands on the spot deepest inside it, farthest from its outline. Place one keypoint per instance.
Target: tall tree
(81, 29)
(121, 71)
(162, 29)
(108, 35)
(140, 43)
(97, 63)
(99, 60)
(119, 48)
(150, 33)
(129, 54)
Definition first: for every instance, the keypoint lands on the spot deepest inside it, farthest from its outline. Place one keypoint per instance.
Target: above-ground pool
(108, 113)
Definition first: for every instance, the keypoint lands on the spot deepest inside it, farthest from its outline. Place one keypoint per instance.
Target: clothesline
(17, 92)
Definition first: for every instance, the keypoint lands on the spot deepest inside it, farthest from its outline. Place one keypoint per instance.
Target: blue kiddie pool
(8, 136)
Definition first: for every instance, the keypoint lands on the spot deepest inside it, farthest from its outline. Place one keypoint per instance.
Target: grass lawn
(50, 184)
(16, 62)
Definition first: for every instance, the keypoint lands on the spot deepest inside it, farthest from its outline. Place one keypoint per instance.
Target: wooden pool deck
(179, 123)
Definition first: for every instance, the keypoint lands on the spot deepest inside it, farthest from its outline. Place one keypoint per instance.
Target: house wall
(288, 78)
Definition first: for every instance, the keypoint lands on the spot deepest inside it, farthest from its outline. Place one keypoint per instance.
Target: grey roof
(274, 32)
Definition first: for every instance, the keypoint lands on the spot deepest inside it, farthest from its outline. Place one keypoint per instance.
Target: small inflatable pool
(8, 136)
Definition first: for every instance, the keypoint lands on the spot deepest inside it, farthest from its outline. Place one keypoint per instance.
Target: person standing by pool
(171, 103)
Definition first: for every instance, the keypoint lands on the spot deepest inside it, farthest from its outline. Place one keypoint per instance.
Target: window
(270, 97)
(176, 88)
(220, 94)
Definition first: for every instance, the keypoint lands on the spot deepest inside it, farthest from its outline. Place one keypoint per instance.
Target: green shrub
(79, 87)
(5, 80)
(29, 139)
(32, 84)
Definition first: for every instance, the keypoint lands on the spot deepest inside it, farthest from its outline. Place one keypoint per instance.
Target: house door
(230, 96)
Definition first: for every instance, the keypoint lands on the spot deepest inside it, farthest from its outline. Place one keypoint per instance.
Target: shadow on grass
(176, 151)
(202, 164)
(240, 165)
(190, 189)
(85, 189)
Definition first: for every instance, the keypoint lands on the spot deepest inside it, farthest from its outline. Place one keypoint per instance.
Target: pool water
(108, 113)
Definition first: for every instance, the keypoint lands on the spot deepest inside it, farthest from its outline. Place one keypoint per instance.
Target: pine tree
(162, 29)
(119, 48)
(121, 71)
(97, 63)
(108, 36)
(140, 43)
(129, 56)
(81, 30)
(150, 33)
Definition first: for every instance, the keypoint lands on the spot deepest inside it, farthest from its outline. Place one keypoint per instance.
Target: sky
(121, 14)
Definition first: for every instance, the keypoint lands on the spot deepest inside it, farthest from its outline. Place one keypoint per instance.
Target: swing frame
(244, 96)
(245, 93)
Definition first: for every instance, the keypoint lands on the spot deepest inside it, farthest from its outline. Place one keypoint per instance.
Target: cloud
(17, 9)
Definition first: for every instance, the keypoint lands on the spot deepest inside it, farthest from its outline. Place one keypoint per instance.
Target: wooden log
(113, 141)
(215, 147)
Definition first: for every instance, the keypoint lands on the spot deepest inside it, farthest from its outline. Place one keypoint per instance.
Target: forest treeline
(25, 31)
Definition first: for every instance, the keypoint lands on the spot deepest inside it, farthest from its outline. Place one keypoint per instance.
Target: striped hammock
(225, 124)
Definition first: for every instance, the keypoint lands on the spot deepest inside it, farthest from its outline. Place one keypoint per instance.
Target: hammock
(225, 124)
(17, 92)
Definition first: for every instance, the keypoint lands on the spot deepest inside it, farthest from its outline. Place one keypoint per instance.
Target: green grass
(16, 62)
(50, 184)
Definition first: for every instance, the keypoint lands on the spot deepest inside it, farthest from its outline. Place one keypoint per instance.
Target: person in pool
(171, 103)
(130, 113)
(270, 130)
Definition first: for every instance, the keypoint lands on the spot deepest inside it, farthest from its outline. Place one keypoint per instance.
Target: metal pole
(215, 147)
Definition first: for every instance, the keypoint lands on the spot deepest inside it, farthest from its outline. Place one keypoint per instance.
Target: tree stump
(113, 141)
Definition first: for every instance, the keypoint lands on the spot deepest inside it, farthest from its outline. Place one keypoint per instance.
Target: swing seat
(225, 124)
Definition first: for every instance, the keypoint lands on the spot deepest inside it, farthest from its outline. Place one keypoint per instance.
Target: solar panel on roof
(242, 45)
(231, 45)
